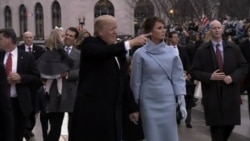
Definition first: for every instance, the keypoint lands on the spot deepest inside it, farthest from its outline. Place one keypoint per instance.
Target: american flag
(204, 21)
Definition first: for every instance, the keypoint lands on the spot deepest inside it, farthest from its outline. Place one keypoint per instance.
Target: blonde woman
(54, 63)
(82, 35)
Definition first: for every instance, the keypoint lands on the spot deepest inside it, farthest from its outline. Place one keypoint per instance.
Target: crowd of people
(136, 89)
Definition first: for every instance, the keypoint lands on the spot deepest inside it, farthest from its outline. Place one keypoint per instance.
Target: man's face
(4, 42)
(28, 39)
(69, 39)
(108, 32)
(175, 39)
(216, 30)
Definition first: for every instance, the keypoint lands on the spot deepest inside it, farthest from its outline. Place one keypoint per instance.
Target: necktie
(8, 67)
(29, 48)
(219, 57)
(68, 50)
(9, 64)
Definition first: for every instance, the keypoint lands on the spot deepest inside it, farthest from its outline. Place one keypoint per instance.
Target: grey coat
(157, 76)
(69, 86)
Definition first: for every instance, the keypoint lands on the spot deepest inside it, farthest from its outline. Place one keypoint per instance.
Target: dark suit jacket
(37, 50)
(184, 58)
(221, 101)
(6, 118)
(26, 68)
(98, 106)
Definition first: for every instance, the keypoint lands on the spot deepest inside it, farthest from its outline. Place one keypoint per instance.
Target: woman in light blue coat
(157, 77)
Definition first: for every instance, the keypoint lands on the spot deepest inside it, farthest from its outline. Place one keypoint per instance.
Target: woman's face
(158, 32)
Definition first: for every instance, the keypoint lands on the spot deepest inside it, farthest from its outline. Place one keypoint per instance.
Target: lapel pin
(21, 57)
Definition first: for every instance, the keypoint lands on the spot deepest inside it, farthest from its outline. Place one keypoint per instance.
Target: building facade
(40, 16)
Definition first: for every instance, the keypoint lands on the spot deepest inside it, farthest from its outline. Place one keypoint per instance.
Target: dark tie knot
(217, 45)
(29, 48)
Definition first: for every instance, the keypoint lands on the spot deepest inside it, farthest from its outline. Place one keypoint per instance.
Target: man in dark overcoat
(98, 108)
(219, 66)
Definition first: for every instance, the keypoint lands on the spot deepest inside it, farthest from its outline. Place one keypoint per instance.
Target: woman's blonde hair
(100, 22)
(54, 39)
(81, 36)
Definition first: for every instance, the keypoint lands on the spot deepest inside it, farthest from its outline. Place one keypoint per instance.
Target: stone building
(40, 16)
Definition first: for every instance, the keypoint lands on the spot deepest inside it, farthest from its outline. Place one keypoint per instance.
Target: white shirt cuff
(127, 45)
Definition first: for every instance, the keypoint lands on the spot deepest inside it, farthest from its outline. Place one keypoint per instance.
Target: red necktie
(9, 64)
(219, 57)
(8, 67)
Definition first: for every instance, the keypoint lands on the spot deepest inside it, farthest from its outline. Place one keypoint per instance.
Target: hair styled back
(9, 33)
(54, 39)
(149, 24)
(100, 22)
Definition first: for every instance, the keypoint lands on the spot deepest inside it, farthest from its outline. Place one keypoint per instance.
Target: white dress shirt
(127, 47)
(68, 49)
(27, 48)
(220, 48)
(14, 54)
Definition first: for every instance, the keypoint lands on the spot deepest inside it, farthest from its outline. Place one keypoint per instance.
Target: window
(56, 14)
(23, 19)
(7, 17)
(39, 23)
(141, 13)
(104, 7)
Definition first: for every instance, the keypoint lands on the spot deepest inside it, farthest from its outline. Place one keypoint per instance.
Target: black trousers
(248, 93)
(221, 133)
(44, 123)
(55, 120)
(69, 122)
(19, 120)
(189, 117)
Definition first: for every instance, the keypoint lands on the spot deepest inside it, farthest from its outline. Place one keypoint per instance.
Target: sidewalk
(199, 132)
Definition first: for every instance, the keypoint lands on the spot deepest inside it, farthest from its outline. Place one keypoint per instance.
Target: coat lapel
(20, 61)
(226, 56)
(72, 53)
(214, 58)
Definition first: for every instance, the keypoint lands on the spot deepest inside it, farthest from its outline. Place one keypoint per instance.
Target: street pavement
(199, 132)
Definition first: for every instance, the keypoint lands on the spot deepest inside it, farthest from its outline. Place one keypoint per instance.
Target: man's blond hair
(101, 21)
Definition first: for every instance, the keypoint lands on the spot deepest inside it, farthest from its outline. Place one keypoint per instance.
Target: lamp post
(171, 12)
(81, 22)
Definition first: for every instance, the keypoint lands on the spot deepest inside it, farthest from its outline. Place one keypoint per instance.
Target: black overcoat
(98, 108)
(221, 101)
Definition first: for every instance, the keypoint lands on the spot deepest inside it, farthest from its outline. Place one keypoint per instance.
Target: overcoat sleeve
(96, 50)
(242, 69)
(33, 75)
(136, 75)
(178, 80)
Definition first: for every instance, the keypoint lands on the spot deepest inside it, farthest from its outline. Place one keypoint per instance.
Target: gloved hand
(182, 104)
